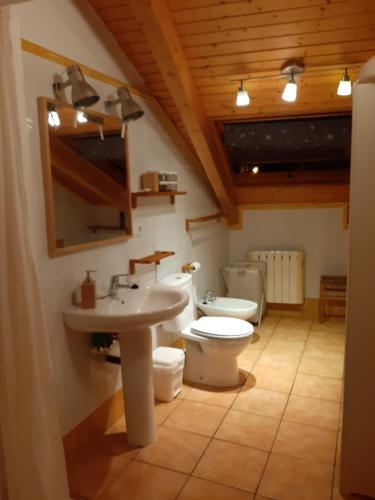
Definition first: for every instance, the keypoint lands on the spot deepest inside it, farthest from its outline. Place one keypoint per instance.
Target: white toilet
(212, 343)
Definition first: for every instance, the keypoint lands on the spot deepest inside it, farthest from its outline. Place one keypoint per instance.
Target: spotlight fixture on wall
(289, 70)
(345, 85)
(83, 95)
(130, 110)
(242, 98)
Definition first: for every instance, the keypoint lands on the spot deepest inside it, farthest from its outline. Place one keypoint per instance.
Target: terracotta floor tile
(90, 478)
(145, 482)
(313, 412)
(164, 409)
(268, 323)
(114, 441)
(321, 367)
(289, 324)
(286, 348)
(247, 359)
(232, 465)
(289, 336)
(329, 389)
(332, 338)
(196, 417)
(324, 350)
(200, 489)
(248, 429)
(219, 397)
(175, 449)
(283, 362)
(336, 325)
(259, 340)
(261, 401)
(185, 389)
(265, 377)
(288, 478)
(306, 442)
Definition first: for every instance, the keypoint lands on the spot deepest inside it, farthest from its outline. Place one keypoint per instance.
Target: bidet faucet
(115, 284)
(209, 296)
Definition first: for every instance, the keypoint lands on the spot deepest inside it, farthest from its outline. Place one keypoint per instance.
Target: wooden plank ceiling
(225, 40)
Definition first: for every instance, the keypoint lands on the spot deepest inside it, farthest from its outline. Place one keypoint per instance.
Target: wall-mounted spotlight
(345, 85)
(83, 95)
(242, 98)
(130, 110)
(289, 70)
(255, 170)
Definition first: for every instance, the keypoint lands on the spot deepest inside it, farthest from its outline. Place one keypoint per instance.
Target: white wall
(318, 232)
(82, 384)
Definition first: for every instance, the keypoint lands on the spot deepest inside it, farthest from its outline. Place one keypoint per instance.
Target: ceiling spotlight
(130, 110)
(53, 119)
(53, 116)
(81, 117)
(243, 98)
(290, 69)
(290, 91)
(255, 170)
(83, 94)
(345, 85)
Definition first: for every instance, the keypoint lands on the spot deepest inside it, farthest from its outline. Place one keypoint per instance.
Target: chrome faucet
(115, 284)
(209, 296)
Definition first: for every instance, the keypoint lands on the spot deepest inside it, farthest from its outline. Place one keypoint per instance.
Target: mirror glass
(86, 178)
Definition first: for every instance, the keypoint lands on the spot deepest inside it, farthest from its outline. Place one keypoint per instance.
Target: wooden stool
(332, 293)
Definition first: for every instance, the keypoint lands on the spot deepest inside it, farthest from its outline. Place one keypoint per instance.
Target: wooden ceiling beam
(160, 32)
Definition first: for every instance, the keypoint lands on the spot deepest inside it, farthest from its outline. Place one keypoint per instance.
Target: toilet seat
(221, 328)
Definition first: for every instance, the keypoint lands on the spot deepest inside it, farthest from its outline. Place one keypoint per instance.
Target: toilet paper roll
(194, 267)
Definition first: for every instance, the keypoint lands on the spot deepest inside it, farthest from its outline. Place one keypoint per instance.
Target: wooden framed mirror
(86, 178)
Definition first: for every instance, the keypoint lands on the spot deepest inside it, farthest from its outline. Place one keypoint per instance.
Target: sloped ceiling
(224, 40)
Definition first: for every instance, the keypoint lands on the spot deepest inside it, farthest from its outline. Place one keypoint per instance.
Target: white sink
(132, 308)
(131, 314)
(229, 307)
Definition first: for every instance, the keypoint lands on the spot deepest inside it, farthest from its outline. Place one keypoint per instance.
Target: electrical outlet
(138, 229)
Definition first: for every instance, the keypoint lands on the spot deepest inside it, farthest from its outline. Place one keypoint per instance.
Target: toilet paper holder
(190, 267)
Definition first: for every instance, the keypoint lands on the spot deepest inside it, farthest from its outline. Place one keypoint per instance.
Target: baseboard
(308, 310)
(77, 441)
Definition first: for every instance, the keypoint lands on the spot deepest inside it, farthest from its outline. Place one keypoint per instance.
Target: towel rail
(207, 218)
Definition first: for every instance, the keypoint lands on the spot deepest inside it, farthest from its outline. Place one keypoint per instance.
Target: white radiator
(285, 275)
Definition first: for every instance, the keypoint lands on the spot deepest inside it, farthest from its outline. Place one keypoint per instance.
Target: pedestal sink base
(138, 388)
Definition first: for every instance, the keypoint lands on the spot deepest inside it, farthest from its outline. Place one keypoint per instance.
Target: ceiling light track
(292, 69)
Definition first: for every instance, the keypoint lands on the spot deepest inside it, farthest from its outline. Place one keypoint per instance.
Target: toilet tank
(184, 319)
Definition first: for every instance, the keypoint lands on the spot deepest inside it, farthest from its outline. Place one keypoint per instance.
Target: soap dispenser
(88, 291)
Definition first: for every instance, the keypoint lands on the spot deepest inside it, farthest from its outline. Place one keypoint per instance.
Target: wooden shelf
(155, 258)
(149, 194)
(197, 220)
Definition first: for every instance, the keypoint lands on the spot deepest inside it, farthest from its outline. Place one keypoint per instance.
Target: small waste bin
(168, 365)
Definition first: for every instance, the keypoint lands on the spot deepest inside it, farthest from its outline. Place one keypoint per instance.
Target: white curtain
(29, 430)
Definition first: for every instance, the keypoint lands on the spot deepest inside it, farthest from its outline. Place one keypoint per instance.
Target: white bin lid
(167, 360)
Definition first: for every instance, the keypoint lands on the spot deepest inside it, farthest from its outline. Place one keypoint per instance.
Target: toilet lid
(222, 327)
